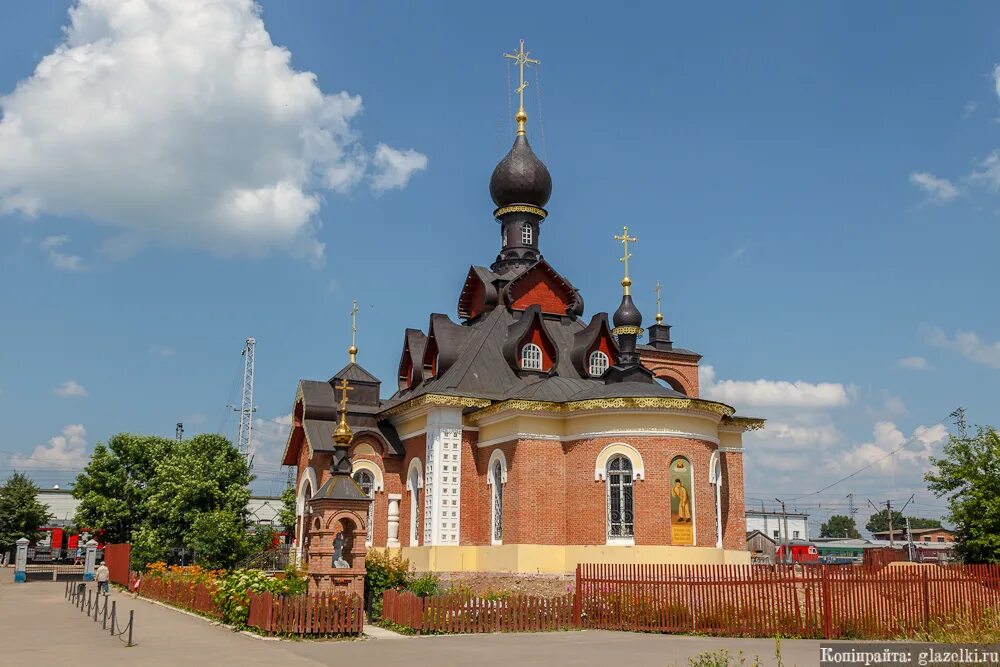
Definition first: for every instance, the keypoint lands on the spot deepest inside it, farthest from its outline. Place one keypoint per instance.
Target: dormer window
(599, 363)
(531, 357)
(527, 235)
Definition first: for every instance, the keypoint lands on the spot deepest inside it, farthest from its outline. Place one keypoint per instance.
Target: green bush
(383, 571)
(233, 598)
(425, 585)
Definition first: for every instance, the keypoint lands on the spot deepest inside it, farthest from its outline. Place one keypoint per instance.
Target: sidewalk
(45, 629)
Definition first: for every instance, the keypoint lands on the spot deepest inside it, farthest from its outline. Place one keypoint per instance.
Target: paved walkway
(45, 629)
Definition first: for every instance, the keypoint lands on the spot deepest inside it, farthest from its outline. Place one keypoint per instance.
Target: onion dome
(521, 178)
(627, 317)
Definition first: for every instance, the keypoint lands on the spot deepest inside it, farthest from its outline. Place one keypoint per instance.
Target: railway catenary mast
(245, 440)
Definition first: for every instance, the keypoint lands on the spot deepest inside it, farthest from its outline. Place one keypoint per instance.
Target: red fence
(116, 557)
(882, 557)
(321, 614)
(748, 600)
(466, 614)
(183, 594)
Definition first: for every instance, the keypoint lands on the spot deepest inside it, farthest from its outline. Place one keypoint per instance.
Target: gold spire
(626, 239)
(343, 434)
(659, 311)
(352, 351)
(521, 58)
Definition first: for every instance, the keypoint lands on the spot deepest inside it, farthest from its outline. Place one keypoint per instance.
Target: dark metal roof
(353, 372)
(520, 177)
(340, 487)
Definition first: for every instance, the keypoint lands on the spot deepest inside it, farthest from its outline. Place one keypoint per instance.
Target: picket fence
(320, 614)
(462, 613)
(753, 600)
(183, 594)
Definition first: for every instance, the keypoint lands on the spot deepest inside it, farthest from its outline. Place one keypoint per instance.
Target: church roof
(340, 487)
(353, 372)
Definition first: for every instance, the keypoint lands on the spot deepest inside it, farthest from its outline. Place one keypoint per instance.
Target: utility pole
(852, 510)
(246, 410)
(179, 433)
(959, 416)
(892, 535)
(784, 540)
(909, 541)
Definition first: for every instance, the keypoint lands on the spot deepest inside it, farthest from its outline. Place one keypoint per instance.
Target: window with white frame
(414, 508)
(621, 515)
(531, 357)
(366, 481)
(599, 363)
(497, 473)
(527, 234)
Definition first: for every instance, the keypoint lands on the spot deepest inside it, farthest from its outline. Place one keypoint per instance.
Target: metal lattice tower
(245, 441)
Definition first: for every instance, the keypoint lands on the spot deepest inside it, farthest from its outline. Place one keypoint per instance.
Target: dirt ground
(523, 584)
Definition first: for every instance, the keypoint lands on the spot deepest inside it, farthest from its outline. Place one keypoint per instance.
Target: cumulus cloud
(782, 435)
(393, 168)
(68, 450)
(270, 436)
(180, 121)
(968, 344)
(772, 393)
(71, 389)
(913, 451)
(988, 173)
(914, 364)
(57, 258)
(938, 190)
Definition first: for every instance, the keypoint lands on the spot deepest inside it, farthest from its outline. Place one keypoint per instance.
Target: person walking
(103, 575)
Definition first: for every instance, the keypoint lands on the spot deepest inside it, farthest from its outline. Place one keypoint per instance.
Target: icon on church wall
(681, 498)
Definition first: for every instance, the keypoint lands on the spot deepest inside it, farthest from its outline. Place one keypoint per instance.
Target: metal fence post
(114, 616)
(131, 617)
(104, 623)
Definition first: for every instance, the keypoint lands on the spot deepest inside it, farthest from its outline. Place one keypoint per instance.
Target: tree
(287, 513)
(219, 539)
(115, 485)
(918, 522)
(968, 474)
(839, 526)
(879, 522)
(20, 512)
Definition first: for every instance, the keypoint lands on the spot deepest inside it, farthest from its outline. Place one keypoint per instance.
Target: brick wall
(681, 369)
(734, 524)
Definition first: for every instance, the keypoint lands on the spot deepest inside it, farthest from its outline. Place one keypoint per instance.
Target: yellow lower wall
(551, 559)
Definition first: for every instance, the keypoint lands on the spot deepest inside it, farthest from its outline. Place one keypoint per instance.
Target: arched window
(497, 474)
(414, 482)
(531, 357)
(620, 507)
(599, 363)
(715, 478)
(367, 483)
(527, 234)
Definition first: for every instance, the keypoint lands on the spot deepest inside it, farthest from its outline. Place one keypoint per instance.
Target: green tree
(147, 547)
(219, 539)
(839, 526)
(287, 514)
(20, 512)
(918, 522)
(879, 521)
(968, 474)
(114, 487)
(204, 474)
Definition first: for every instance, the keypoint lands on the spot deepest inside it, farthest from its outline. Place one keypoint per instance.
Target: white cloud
(887, 438)
(938, 190)
(67, 451)
(71, 389)
(783, 435)
(772, 393)
(914, 364)
(180, 121)
(969, 108)
(393, 168)
(60, 260)
(968, 344)
(269, 437)
(988, 173)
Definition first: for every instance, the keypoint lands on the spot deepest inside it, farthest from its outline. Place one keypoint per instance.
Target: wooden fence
(753, 600)
(467, 614)
(183, 594)
(320, 614)
(116, 557)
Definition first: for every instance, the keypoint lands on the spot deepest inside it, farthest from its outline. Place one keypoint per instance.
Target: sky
(817, 186)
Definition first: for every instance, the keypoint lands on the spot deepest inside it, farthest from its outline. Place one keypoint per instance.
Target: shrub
(383, 571)
(425, 585)
(232, 594)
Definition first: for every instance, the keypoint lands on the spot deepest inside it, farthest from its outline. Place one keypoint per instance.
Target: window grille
(527, 234)
(414, 509)
(620, 511)
(367, 484)
(599, 363)
(497, 501)
(531, 357)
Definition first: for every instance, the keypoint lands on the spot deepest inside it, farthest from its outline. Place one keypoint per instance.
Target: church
(525, 437)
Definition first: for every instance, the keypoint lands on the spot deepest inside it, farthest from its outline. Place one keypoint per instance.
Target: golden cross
(344, 388)
(625, 239)
(659, 313)
(521, 58)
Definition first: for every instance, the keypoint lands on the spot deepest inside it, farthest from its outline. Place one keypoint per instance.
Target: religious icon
(338, 550)
(681, 516)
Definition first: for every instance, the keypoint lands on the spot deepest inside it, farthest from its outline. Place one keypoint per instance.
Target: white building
(772, 524)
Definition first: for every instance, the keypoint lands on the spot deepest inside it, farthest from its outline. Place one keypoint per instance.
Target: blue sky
(815, 185)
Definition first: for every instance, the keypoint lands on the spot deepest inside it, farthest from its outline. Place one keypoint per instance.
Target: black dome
(627, 314)
(521, 178)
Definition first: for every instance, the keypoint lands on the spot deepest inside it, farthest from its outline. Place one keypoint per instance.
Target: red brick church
(525, 437)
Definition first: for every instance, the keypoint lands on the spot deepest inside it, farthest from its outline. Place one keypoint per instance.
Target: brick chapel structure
(524, 437)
